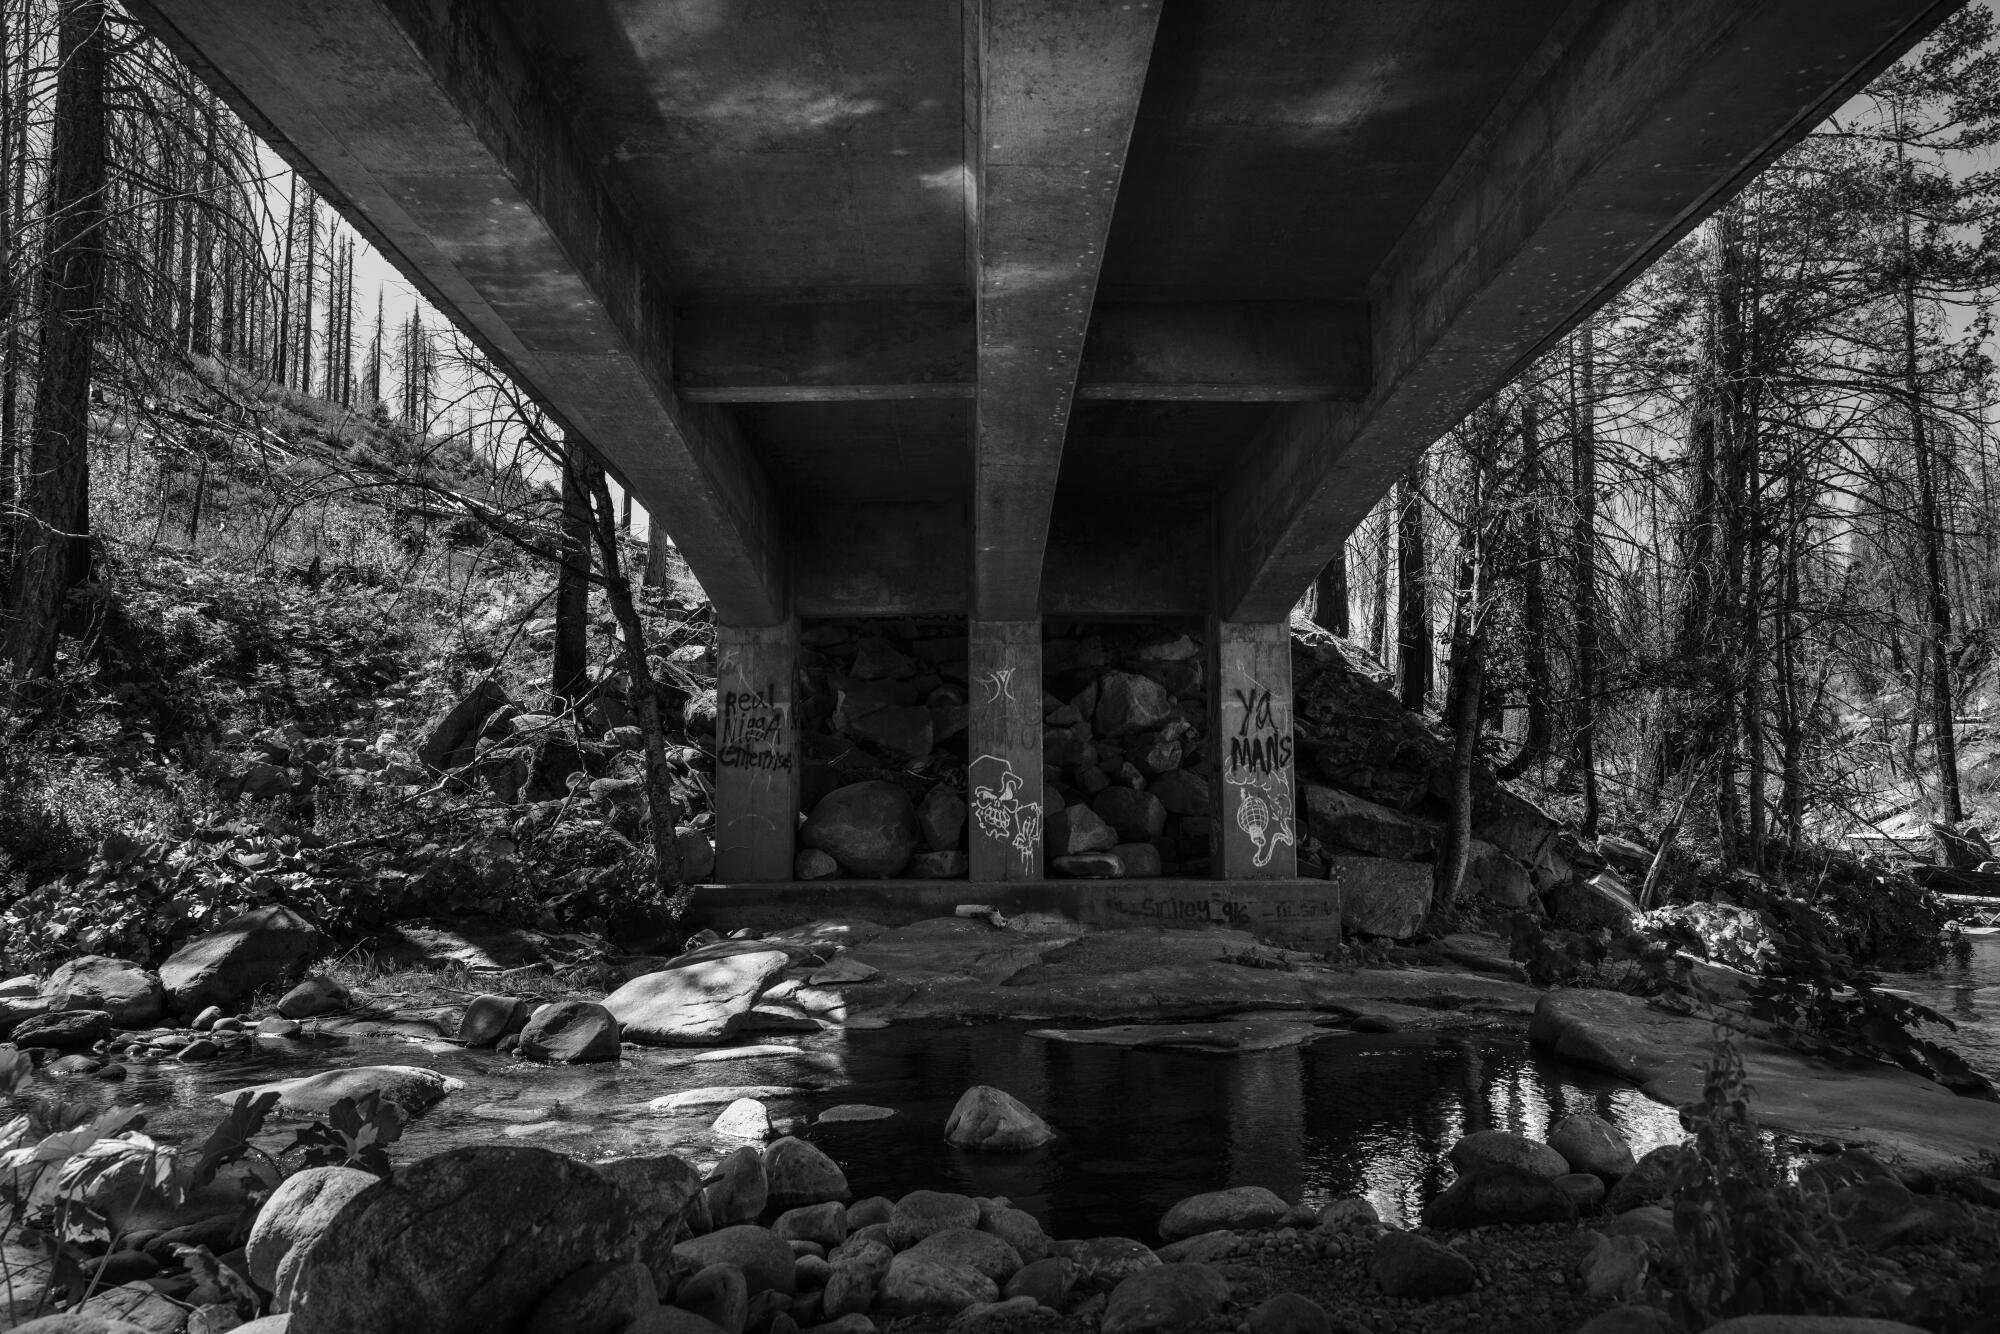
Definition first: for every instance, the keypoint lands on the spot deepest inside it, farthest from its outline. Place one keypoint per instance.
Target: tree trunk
(1583, 567)
(1378, 612)
(1413, 610)
(1534, 609)
(1468, 683)
(52, 554)
(571, 666)
(1330, 594)
(645, 695)
(658, 547)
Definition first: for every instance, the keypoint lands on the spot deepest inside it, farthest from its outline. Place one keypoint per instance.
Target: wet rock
(995, 1317)
(1591, 1144)
(719, 1095)
(491, 1017)
(662, 1190)
(128, 993)
(1089, 866)
(1128, 703)
(462, 1242)
(1499, 1195)
(746, 1118)
(1237, 1207)
(136, 1306)
(917, 1284)
(570, 1033)
(922, 1212)
(1650, 1180)
(866, 1213)
(976, 1250)
(995, 1121)
(198, 1051)
(699, 1002)
(295, 1216)
(73, 1064)
(1047, 1281)
(265, 947)
(1166, 1299)
(737, 1190)
(1348, 1212)
(1290, 1313)
(719, 1295)
(63, 1030)
(275, 1026)
(822, 1223)
(1585, 1189)
(1018, 1229)
(1599, 903)
(941, 818)
(812, 864)
(869, 828)
(1103, 1263)
(1202, 1248)
(607, 1296)
(1138, 817)
(1500, 1148)
(413, 1088)
(207, 1019)
(1404, 1264)
(766, 1259)
(799, 1174)
(79, 1322)
(1382, 898)
(315, 995)
(15, 1010)
(1809, 1324)
(1649, 1222)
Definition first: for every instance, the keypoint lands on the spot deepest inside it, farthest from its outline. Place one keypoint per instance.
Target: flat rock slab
(722, 1093)
(1921, 1129)
(854, 1111)
(1231, 1036)
(767, 1049)
(413, 1088)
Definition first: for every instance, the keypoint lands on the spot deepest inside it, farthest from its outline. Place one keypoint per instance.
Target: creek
(1965, 989)
(1348, 1114)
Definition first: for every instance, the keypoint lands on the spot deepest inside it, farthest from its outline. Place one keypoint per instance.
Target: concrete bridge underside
(1021, 308)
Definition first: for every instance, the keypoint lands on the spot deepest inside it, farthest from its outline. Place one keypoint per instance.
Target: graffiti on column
(750, 731)
(1259, 770)
(999, 685)
(999, 812)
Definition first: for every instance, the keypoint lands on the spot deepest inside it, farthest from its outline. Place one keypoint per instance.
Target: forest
(1717, 569)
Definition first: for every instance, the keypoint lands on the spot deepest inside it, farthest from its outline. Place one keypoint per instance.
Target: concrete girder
(1633, 123)
(1051, 91)
(848, 351)
(426, 126)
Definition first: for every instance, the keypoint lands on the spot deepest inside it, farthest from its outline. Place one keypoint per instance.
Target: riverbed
(1348, 1114)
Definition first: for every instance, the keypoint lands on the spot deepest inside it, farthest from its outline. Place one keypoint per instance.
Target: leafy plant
(356, 1133)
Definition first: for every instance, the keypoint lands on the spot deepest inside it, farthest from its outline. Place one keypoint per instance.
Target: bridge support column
(756, 751)
(1250, 716)
(1004, 779)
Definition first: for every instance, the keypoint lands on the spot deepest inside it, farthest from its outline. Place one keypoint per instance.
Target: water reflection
(1139, 1129)
(1966, 990)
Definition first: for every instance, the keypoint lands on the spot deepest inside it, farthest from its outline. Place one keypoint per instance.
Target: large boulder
(63, 1030)
(1406, 1265)
(1166, 1299)
(941, 818)
(264, 947)
(1343, 820)
(1238, 1207)
(918, 1284)
(1591, 1144)
(922, 1212)
(1128, 703)
(1600, 903)
(737, 1190)
(1503, 1148)
(128, 993)
(612, 1295)
(661, 1190)
(491, 1017)
(699, 1002)
(1492, 1195)
(452, 742)
(292, 1220)
(996, 1121)
(799, 1174)
(1137, 816)
(570, 1033)
(869, 828)
(983, 1251)
(765, 1258)
(1379, 897)
(411, 1087)
(1076, 830)
(464, 1242)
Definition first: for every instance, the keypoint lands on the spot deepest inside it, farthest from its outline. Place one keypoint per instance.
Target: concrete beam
(909, 560)
(1633, 123)
(1052, 89)
(1206, 351)
(425, 125)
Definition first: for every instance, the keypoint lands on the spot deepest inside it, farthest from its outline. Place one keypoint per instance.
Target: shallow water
(1349, 1114)
(1966, 990)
